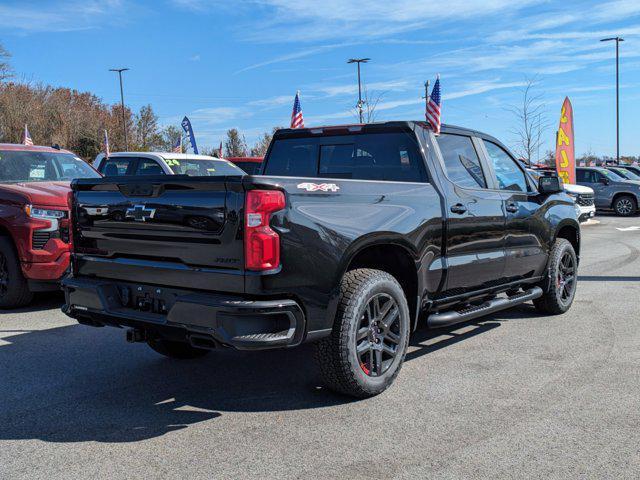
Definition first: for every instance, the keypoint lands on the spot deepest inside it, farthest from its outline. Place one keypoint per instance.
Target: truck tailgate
(155, 229)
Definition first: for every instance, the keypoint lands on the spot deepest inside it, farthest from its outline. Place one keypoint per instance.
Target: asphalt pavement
(513, 395)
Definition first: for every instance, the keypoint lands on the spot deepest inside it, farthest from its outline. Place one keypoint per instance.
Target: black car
(350, 238)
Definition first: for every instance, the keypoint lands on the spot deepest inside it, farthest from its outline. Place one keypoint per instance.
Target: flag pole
(426, 99)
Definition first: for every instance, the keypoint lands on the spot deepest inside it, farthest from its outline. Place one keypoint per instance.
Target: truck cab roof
(375, 127)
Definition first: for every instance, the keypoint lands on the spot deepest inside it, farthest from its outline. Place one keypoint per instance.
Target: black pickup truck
(350, 238)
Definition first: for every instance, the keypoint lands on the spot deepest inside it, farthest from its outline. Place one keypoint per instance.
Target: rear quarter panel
(321, 232)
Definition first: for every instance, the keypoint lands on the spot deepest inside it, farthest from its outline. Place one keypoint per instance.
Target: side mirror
(549, 185)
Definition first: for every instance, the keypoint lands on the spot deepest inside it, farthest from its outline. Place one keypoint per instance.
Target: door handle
(458, 208)
(512, 207)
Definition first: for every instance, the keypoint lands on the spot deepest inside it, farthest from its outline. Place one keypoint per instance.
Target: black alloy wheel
(566, 278)
(378, 335)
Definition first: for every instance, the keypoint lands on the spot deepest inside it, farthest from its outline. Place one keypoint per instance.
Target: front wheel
(562, 272)
(625, 205)
(14, 290)
(366, 349)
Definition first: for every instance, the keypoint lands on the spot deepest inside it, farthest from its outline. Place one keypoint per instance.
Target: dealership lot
(511, 395)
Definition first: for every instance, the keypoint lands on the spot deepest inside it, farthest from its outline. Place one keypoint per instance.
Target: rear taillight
(261, 243)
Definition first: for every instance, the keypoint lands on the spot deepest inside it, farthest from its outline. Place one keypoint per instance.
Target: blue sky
(238, 63)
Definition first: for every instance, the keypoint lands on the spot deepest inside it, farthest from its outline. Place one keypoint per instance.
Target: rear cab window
(384, 156)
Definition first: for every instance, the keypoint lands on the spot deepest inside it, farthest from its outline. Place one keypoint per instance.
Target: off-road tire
(177, 350)
(336, 354)
(625, 206)
(14, 290)
(552, 302)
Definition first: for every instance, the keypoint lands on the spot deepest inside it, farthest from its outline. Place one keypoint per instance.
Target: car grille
(40, 239)
(585, 200)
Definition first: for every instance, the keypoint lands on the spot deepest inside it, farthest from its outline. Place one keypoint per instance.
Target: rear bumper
(185, 315)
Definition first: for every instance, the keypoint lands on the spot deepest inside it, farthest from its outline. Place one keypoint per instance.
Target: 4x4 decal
(319, 187)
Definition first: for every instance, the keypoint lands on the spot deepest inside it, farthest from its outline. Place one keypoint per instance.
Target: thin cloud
(59, 16)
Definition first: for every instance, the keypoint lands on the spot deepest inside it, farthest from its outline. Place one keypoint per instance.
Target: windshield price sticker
(36, 173)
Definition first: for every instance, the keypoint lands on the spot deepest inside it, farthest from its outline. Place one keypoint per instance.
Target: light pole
(617, 40)
(124, 122)
(358, 61)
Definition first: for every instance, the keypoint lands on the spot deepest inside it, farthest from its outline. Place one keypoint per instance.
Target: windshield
(202, 167)
(611, 175)
(628, 174)
(23, 166)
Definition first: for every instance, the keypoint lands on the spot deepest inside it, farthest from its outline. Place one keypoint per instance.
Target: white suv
(163, 163)
(583, 197)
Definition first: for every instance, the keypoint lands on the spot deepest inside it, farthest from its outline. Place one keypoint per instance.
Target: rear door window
(148, 166)
(393, 156)
(461, 161)
(117, 166)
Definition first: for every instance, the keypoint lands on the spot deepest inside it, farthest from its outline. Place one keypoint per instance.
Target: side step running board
(451, 317)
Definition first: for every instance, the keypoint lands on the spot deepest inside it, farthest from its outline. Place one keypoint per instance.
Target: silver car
(611, 190)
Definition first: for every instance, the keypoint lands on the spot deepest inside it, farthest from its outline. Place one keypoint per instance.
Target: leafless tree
(531, 123)
(5, 68)
(370, 101)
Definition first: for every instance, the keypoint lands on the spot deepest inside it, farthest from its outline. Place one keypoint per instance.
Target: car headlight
(46, 213)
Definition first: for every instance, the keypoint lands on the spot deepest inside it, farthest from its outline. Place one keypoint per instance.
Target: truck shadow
(41, 301)
(76, 383)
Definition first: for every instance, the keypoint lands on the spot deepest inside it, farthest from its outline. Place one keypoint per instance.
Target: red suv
(34, 234)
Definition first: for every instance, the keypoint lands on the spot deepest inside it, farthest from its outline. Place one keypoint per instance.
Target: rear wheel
(562, 279)
(178, 350)
(625, 205)
(14, 290)
(366, 349)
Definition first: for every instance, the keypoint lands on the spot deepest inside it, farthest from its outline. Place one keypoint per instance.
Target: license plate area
(144, 298)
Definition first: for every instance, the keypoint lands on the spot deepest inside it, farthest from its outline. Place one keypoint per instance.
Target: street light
(124, 122)
(359, 105)
(617, 40)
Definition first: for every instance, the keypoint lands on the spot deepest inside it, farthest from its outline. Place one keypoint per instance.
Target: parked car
(34, 234)
(624, 173)
(162, 163)
(353, 236)
(611, 190)
(631, 168)
(582, 196)
(251, 165)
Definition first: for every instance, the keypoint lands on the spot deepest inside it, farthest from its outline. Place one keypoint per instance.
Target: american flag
(296, 116)
(106, 144)
(27, 137)
(433, 107)
(177, 147)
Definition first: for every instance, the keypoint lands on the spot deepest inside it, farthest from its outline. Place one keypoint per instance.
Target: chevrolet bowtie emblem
(140, 213)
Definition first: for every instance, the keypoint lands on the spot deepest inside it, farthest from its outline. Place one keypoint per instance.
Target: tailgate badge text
(319, 187)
